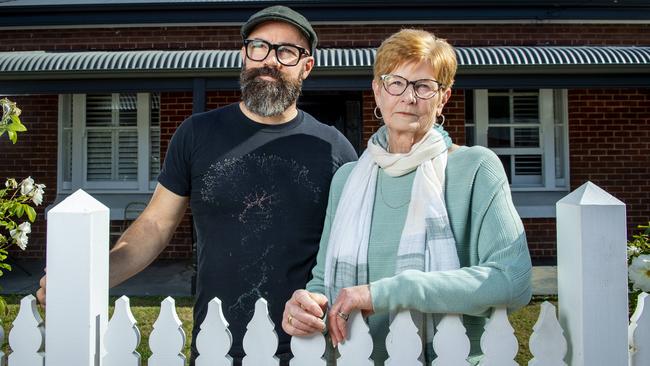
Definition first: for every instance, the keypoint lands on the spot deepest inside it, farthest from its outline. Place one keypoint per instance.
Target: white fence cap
(79, 202)
(590, 194)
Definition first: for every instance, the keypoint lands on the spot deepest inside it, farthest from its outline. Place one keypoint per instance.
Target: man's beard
(268, 97)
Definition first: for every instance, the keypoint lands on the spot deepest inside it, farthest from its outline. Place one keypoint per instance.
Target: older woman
(417, 223)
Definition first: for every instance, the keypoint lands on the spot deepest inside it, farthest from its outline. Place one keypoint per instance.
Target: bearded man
(256, 175)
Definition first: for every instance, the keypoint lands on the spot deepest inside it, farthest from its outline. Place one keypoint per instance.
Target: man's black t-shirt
(258, 195)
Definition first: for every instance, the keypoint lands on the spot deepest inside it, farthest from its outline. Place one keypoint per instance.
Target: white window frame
(77, 104)
(548, 112)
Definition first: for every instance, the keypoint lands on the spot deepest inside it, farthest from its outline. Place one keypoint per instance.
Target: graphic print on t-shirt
(256, 190)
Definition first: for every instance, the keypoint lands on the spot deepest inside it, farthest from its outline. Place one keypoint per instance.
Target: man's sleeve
(175, 174)
(343, 151)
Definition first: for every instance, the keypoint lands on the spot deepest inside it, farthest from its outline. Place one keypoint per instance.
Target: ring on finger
(289, 319)
(343, 315)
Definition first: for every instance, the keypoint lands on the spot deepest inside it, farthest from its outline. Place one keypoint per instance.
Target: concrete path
(174, 278)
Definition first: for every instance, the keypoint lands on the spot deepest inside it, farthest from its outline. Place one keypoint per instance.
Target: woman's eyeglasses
(423, 88)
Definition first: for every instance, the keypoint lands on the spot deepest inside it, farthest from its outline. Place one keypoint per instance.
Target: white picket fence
(592, 289)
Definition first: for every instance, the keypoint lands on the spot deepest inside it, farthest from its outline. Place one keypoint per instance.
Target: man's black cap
(282, 14)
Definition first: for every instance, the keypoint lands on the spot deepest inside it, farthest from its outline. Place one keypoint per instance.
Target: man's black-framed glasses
(286, 54)
(423, 88)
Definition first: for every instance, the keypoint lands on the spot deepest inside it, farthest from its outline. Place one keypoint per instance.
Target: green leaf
(13, 136)
(5, 266)
(3, 307)
(31, 213)
(17, 127)
(20, 210)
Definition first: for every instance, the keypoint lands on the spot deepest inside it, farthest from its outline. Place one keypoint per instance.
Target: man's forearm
(140, 244)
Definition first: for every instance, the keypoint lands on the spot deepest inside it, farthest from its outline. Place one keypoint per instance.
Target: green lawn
(145, 310)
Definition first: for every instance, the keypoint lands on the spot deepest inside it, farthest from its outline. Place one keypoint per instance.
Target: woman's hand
(349, 299)
(303, 313)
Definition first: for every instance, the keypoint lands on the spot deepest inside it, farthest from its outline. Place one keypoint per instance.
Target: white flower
(11, 183)
(6, 108)
(633, 251)
(639, 273)
(26, 186)
(37, 194)
(19, 234)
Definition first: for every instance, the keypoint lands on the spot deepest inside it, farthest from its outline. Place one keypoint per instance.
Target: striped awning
(41, 64)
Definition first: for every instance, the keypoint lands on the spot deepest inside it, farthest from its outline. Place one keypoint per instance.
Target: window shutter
(99, 156)
(112, 137)
(525, 108)
(99, 118)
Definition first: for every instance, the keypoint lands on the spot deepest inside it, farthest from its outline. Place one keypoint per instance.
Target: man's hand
(303, 313)
(40, 293)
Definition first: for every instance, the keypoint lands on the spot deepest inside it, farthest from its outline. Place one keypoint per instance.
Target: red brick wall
(35, 155)
(174, 109)
(144, 38)
(609, 144)
(541, 239)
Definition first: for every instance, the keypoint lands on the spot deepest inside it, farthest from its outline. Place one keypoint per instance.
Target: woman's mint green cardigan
(490, 240)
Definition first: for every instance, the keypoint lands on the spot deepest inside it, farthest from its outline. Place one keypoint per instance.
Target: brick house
(559, 89)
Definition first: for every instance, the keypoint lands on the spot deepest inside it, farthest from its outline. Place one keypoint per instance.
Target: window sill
(537, 204)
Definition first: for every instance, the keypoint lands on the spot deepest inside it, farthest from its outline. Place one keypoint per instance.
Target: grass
(145, 310)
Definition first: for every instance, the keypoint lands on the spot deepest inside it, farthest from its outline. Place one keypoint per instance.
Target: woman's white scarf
(427, 242)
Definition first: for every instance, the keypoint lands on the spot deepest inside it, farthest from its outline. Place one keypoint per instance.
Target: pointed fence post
(77, 281)
(592, 276)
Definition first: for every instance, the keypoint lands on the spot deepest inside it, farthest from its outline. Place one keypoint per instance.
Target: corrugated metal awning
(357, 61)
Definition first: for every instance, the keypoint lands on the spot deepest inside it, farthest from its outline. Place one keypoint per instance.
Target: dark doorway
(339, 109)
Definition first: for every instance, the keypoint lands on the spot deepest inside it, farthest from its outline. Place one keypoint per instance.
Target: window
(109, 142)
(527, 130)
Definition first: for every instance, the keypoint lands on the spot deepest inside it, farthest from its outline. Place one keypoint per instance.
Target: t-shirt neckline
(272, 128)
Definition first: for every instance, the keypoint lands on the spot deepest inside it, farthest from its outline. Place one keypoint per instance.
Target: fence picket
(547, 343)
(167, 337)
(214, 339)
(450, 343)
(26, 338)
(498, 342)
(356, 350)
(403, 343)
(122, 336)
(260, 341)
(308, 351)
(639, 332)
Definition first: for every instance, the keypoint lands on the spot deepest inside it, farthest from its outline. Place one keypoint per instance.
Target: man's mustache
(265, 71)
